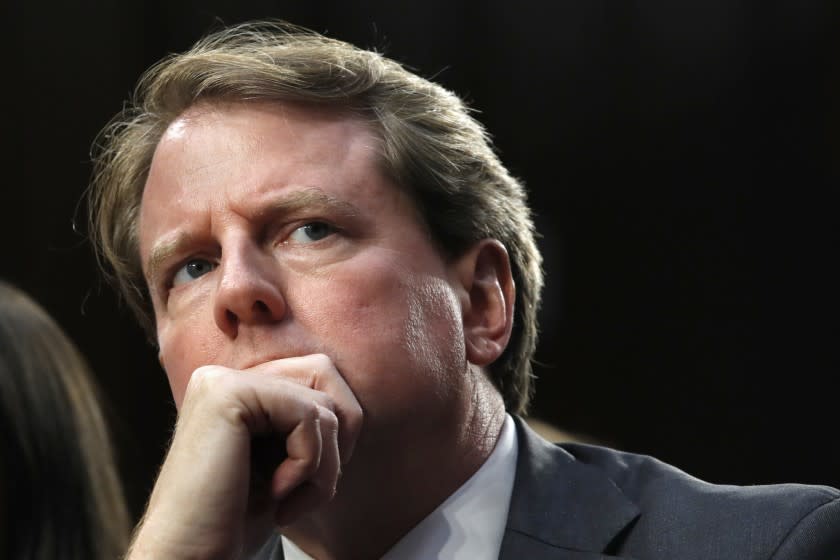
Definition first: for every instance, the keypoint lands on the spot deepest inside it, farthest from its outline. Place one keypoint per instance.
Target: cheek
(183, 350)
(432, 332)
(177, 371)
(393, 332)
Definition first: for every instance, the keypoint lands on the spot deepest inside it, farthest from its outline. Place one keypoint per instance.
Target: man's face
(268, 231)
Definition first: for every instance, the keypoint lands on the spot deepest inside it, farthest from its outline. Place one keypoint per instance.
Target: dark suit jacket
(583, 502)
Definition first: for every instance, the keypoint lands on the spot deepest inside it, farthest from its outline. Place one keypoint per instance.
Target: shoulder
(646, 480)
(775, 521)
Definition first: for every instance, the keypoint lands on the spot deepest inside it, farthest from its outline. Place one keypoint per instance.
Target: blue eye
(311, 232)
(193, 269)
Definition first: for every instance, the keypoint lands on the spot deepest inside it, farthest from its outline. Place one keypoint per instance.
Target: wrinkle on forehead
(214, 143)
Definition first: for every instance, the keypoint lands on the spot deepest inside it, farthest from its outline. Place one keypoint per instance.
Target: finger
(321, 487)
(322, 473)
(303, 447)
(326, 477)
(317, 371)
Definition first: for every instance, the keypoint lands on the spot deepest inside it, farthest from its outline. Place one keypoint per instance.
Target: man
(342, 281)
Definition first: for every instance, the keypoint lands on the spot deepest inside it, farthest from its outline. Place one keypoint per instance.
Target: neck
(389, 487)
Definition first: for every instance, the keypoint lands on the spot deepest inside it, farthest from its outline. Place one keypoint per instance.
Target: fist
(253, 448)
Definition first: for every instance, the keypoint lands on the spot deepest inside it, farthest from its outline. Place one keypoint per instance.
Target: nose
(248, 292)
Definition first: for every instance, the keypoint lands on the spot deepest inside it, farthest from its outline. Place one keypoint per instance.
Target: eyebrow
(297, 201)
(163, 251)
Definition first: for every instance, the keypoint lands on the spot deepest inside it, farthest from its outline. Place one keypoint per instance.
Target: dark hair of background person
(60, 493)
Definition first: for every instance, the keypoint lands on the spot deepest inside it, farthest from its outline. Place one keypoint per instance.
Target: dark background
(682, 159)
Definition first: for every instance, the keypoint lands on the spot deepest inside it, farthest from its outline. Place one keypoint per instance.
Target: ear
(487, 300)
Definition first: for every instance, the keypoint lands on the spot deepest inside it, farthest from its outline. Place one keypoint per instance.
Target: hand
(207, 501)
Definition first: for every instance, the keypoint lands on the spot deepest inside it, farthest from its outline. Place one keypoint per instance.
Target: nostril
(260, 307)
(231, 317)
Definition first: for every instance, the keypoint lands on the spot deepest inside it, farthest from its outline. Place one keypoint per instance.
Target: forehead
(210, 138)
(236, 155)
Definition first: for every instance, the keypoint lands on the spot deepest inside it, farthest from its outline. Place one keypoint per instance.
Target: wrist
(154, 541)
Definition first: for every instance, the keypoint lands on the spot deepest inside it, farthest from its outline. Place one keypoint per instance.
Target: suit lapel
(561, 508)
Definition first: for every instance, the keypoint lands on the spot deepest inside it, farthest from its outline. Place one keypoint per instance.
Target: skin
(298, 295)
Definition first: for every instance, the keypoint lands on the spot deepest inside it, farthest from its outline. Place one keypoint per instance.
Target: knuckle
(311, 411)
(326, 401)
(355, 419)
(328, 419)
(321, 358)
(358, 412)
(202, 373)
(205, 378)
(321, 362)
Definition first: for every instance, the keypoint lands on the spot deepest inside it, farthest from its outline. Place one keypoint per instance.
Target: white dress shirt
(468, 524)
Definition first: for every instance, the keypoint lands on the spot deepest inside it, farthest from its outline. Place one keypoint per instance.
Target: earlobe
(486, 277)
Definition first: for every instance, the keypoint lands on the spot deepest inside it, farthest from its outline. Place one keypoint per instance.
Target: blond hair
(431, 147)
